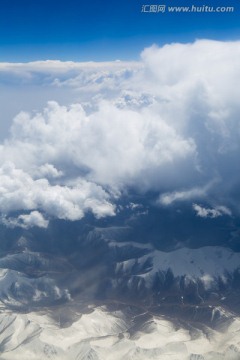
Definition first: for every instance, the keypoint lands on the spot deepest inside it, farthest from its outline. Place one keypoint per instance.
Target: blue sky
(103, 30)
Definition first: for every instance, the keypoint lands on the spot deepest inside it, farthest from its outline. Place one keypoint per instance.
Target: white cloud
(211, 213)
(112, 145)
(88, 77)
(169, 123)
(48, 171)
(169, 198)
(35, 218)
(26, 221)
(208, 281)
(18, 191)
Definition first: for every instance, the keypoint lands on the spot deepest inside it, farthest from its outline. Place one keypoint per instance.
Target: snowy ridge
(104, 335)
(213, 261)
(206, 263)
(17, 289)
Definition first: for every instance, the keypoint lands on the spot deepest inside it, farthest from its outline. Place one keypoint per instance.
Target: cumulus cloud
(19, 191)
(48, 171)
(111, 146)
(26, 221)
(163, 125)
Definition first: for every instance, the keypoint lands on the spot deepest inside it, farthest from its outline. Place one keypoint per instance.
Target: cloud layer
(168, 124)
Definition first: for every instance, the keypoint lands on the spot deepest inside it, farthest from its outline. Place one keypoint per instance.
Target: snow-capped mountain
(123, 332)
(101, 291)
